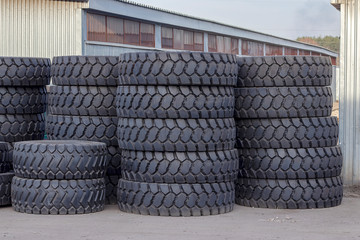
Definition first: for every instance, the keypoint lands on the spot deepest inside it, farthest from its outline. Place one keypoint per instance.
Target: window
(217, 43)
(174, 38)
(251, 48)
(116, 30)
(273, 50)
(290, 51)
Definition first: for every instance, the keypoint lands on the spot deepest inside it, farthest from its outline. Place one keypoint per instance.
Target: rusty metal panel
(291, 51)
(251, 48)
(273, 50)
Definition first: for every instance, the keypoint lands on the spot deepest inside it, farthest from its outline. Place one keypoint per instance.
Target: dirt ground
(243, 223)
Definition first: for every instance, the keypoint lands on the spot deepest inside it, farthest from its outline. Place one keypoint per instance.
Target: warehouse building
(47, 28)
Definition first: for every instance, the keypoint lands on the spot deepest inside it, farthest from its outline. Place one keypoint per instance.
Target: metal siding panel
(40, 28)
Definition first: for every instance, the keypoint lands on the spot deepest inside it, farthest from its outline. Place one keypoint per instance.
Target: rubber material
(175, 102)
(23, 100)
(16, 128)
(180, 167)
(89, 128)
(289, 194)
(301, 163)
(175, 199)
(283, 102)
(58, 197)
(114, 160)
(287, 132)
(5, 164)
(178, 68)
(82, 101)
(5, 188)
(181, 135)
(111, 189)
(85, 71)
(24, 71)
(282, 71)
(61, 160)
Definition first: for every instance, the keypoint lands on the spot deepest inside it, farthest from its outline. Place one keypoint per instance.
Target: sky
(284, 18)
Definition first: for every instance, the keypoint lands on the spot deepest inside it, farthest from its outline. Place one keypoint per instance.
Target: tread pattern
(287, 132)
(114, 160)
(289, 194)
(16, 128)
(5, 188)
(176, 199)
(178, 68)
(111, 182)
(61, 160)
(24, 71)
(176, 134)
(175, 102)
(58, 196)
(82, 100)
(89, 128)
(85, 71)
(283, 102)
(301, 163)
(5, 164)
(180, 167)
(23, 100)
(284, 71)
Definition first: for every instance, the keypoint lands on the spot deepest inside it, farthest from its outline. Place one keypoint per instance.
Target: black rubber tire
(175, 102)
(5, 163)
(5, 188)
(301, 163)
(23, 100)
(58, 197)
(24, 71)
(60, 160)
(111, 189)
(114, 160)
(88, 128)
(287, 132)
(176, 199)
(289, 194)
(82, 101)
(283, 102)
(85, 71)
(180, 167)
(17, 128)
(280, 71)
(180, 135)
(178, 68)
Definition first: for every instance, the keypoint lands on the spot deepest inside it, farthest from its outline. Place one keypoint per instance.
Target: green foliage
(329, 42)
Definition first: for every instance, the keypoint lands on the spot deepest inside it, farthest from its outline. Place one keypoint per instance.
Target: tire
(283, 102)
(58, 197)
(289, 194)
(175, 199)
(281, 71)
(178, 68)
(114, 159)
(23, 100)
(111, 189)
(175, 102)
(287, 133)
(17, 128)
(60, 160)
(5, 163)
(180, 135)
(85, 71)
(23, 72)
(301, 163)
(88, 128)
(180, 167)
(82, 101)
(5, 188)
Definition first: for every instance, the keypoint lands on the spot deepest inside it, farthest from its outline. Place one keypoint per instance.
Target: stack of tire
(82, 106)
(5, 175)
(287, 140)
(23, 98)
(59, 177)
(177, 133)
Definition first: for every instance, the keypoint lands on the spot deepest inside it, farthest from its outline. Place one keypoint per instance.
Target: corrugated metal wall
(350, 89)
(40, 28)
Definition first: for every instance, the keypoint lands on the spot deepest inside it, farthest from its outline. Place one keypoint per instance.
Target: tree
(329, 42)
